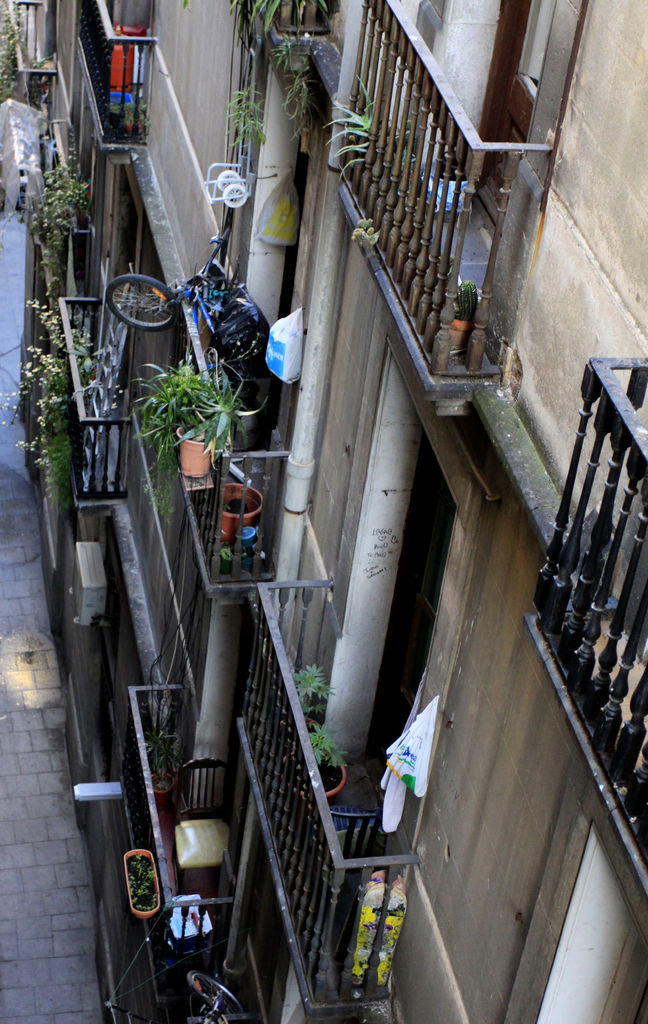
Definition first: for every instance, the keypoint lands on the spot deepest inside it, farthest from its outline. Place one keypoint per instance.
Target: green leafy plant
(45, 379)
(63, 193)
(270, 9)
(465, 305)
(204, 405)
(163, 752)
(355, 129)
(245, 115)
(314, 691)
(9, 52)
(365, 233)
(141, 883)
(301, 102)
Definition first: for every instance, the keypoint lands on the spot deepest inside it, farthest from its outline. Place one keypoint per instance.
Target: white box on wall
(89, 582)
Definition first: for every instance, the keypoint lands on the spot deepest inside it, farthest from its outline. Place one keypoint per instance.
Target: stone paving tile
(47, 941)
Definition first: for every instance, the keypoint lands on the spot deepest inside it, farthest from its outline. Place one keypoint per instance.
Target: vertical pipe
(321, 333)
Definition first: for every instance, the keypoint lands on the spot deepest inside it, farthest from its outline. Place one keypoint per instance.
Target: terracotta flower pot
(460, 331)
(230, 522)
(194, 460)
(163, 789)
(147, 855)
(332, 793)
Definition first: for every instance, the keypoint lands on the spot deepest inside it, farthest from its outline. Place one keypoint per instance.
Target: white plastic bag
(284, 350)
(409, 756)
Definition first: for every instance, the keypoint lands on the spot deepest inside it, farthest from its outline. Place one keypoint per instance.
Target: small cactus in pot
(466, 301)
(465, 307)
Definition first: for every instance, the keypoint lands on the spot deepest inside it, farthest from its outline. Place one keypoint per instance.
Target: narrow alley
(47, 969)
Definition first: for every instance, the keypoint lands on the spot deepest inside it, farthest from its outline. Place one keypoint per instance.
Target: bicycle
(151, 305)
(217, 1003)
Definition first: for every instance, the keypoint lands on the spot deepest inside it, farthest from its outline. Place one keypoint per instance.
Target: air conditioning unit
(89, 582)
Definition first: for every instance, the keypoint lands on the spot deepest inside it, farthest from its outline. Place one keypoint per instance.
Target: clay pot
(194, 460)
(142, 914)
(230, 522)
(163, 790)
(460, 331)
(332, 793)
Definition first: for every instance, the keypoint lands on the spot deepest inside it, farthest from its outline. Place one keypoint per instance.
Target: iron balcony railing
(147, 831)
(226, 554)
(319, 888)
(415, 175)
(119, 73)
(592, 592)
(99, 442)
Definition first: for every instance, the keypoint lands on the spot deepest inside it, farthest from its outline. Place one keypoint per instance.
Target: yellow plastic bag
(279, 220)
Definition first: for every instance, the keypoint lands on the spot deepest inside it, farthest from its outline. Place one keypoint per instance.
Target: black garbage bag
(241, 336)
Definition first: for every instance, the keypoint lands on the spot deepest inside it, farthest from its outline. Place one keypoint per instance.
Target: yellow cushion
(200, 843)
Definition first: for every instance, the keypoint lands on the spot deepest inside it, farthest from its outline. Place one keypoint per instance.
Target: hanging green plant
(63, 193)
(45, 379)
(245, 115)
(355, 129)
(302, 102)
(9, 52)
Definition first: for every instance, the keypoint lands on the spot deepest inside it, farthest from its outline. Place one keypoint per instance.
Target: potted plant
(290, 15)
(465, 306)
(163, 752)
(232, 499)
(129, 118)
(142, 883)
(183, 406)
(314, 691)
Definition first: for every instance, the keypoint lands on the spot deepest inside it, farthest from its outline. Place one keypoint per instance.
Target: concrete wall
(584, 293)
(511, 797)
(463, 48)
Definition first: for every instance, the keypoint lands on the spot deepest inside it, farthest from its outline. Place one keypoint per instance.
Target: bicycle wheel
(142, 302)
(213, 994)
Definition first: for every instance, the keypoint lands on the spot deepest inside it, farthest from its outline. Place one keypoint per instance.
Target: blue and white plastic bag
(284, 351)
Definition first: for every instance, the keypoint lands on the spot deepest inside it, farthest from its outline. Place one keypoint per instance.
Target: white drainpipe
(322, 317)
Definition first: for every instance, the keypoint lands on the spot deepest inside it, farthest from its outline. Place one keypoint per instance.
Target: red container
(118, 78)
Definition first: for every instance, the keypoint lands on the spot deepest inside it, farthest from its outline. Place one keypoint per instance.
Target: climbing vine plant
(63, 193)
(8, 51)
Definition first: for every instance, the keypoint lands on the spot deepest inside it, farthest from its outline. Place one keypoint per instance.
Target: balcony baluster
(632, 735)
(419, 141)
(592, 562)
(582, 665)
(613, 703)
(590, 391)
(562, 585)
(310, 870)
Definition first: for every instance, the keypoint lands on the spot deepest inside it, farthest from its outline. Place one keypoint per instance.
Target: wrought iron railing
(226, 554)
(99, 442)
(592, 592)
(415, 175)
(319, 889)
(167, 947)
(119, 72)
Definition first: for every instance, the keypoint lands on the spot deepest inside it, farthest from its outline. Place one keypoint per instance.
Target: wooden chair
(201, 836)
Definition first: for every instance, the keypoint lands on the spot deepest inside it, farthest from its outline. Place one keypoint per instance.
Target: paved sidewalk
(47, 971)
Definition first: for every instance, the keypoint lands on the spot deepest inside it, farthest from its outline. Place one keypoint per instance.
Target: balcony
(118, 73)
(592, 592)
(98, 433)
(415, 175)
(317, 871)
(227, 558)
(148, 830)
